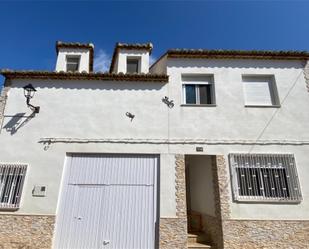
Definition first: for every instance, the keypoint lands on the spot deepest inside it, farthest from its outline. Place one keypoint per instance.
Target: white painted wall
(201, 184)
(64, 52)
(96, 109)
(121, 61)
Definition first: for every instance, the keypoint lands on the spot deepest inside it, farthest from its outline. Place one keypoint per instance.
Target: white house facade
(204, 149)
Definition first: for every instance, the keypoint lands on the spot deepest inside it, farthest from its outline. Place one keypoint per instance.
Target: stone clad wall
(173, 231)
(275, 234)
(26, 231)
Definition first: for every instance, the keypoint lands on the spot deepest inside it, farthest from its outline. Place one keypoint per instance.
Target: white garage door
(108, 202)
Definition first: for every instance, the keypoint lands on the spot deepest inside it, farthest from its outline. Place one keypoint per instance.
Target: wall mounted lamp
(169, 103)
(29, 92)
(130, 115)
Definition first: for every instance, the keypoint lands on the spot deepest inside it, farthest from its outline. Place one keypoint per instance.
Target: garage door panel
(132, 210)
(108, 202)
(87, 217)
(113, 169)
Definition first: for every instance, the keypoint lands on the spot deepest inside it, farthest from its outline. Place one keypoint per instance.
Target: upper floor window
(11, 184)
(133, 65)
(260, 90)
(198, 90)
(73, 63)
(264, 177)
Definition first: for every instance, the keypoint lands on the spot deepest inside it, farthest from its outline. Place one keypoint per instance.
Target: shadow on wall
(17, 121)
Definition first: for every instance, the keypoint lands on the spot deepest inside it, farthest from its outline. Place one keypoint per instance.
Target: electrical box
(199, 149)
(39, 191)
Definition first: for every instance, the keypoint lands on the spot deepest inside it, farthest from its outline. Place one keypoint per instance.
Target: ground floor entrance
(108, 202)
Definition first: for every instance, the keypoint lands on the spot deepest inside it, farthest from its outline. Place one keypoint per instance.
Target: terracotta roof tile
(235, 54)
(257, 54)
(9, 74)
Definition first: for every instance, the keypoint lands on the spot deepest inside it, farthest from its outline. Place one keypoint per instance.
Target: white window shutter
(257, 92)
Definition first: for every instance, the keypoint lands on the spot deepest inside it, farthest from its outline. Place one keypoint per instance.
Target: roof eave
(83, 76)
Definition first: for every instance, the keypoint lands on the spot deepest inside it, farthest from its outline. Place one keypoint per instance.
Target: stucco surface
(96, 109)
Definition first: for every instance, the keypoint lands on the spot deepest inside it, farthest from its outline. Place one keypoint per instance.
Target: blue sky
(29, 29)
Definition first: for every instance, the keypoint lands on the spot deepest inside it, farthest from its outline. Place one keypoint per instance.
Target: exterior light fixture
(130, 115)
(29, 92)
(169, 103)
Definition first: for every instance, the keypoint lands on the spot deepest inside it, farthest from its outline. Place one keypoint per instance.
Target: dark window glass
(190, 94)
(72, 64)
(249, 182)
(205, 94)
(275, 183)
(132, 66)
(253, 181)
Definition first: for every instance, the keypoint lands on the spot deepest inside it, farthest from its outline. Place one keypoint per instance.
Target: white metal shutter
(257, 91)
(109, 202)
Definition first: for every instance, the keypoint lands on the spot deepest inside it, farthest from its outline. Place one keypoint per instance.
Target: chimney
(74, 57)
(131, 58)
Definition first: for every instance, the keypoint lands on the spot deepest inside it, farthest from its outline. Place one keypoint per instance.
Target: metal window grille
(264, 177)
(11, 183)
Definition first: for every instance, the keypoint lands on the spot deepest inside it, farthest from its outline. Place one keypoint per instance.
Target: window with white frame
(72, 63)
(198, 90)
(12, 178)
(264, 177)
(260, 90)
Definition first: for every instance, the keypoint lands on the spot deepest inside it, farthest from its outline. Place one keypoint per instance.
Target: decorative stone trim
(275, 234)
(221, 183)
(221, 195)
(173, 233)
(26, 231)
(3, 98)
(306, 73)
(181, 204)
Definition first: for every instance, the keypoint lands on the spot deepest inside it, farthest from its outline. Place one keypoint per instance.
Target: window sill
(197, 105)
(263, 106)
(8, 209)
(274, 201)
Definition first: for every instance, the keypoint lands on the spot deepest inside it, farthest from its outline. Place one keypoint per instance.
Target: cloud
(102, 61)
(152, 59)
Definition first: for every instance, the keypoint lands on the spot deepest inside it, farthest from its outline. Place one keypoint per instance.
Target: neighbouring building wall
(159, 67)
(3, 98)
(306, 74)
